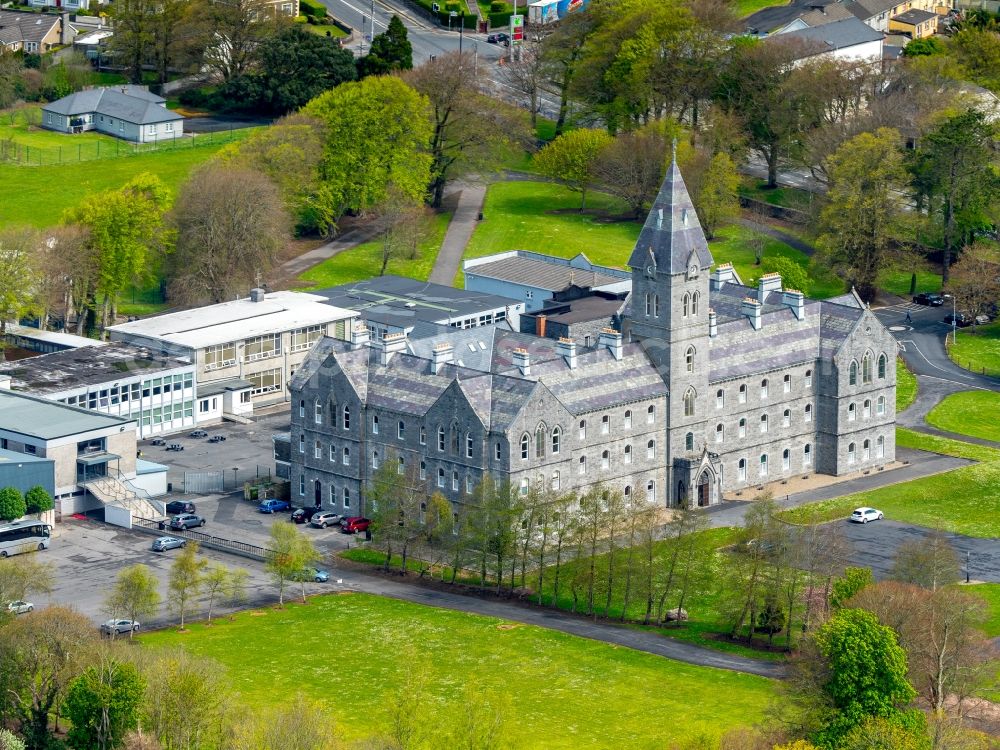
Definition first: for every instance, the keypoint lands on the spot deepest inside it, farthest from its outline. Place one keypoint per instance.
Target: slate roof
(541, 273)
(19, 26)
(829, 14)
(129, 103)
(848, 32)
(915, 17)
(672, 232)
(865, 9)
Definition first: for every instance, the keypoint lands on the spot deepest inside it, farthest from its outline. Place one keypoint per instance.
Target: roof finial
(673, 157)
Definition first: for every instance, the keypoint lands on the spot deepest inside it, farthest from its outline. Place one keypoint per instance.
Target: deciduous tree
(975, 279)
(291, 553)
(38, 500)
(185, 581)
(135, 595)
(133, 42)
(572, 159)
(930, 562)
(632, 166)
(23, 575)
(307, 726)
(19, 276)
(235, 29)
(230, 224)
(187, 700)
(103, 704)
(12, 505)
(716, 199)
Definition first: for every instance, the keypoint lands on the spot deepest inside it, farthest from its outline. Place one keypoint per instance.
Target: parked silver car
(117, 627)
(163, 543)
(324, 519)
(186, 521)
(20, 607)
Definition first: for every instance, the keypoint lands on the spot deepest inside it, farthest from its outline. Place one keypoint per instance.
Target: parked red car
(354, 524)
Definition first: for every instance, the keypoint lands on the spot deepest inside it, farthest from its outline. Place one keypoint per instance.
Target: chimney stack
(567, 349)
(540, 326)
(723, 274)
(391, 344)
(713, 323)
(769, 282)
(522, 361)
(796, 301)
(751, 308)
(443, 354)
(359, 335)
(257, 294)
(613, 340)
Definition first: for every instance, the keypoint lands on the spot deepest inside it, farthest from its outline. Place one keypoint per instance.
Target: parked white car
(20, 607)
(864, 515)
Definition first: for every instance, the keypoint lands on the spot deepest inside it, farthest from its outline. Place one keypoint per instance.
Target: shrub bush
(11, 504)
(497, 6)
(37, 500)
(312, 8)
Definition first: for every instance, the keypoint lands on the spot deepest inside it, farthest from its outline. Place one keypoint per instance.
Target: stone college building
(712, 386)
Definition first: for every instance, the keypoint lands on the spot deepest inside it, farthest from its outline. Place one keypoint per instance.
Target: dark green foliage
(312, 8)
(390, 51)
(498, 6)
(866, 673)
(845, 587)
(103, 704)
(923, 47)
(11, 504)
(772, 618)
(37, 500)
(913, 284)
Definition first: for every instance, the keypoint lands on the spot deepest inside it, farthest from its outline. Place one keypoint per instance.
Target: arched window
(786, 460)
(498, 452)
(347, 497)
(763, 464)
(441, 438)
(454, 481)
(583, 429)
(809, 378)
(524, 446)
(807, 456)
(628, 454)
(851, 451)
(689, 441)
(651, 449)
(720, 399)
(628, 492)
(423, 470)
(346, 460)
(686, 304)
(743, 428)
(302, 408)
(556, 436)
(656, 305)
(852, 375)
(809, 413)
(866, 368)
(401, 466)
(555, 480)
(423, 435)
(605, 460)
(651, 489)
(374, 424)
(741, 470)
(401, 430)
(720, 432)
(318, 450)
(743, 393)
(866, 450)
(628, 419)
(318, 413)
(440, 477)
(852, 412)
(786, 384)
(540, 440)
(880, 447)
(763, 423)
(881, 366)
(347, 417)
(763, 388)
(689, 402)
(334, 413)
(469, 442)
(689, 359)
(374, 459)
(880, 406)
(650, 414)
(649, 304)
(694, 303)
(582, 467)
(866, 410)
(786, 418)
(333, 452)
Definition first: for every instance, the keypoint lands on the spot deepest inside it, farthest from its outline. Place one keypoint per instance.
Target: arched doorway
(681, 495)
(704, 490)
(319, 493)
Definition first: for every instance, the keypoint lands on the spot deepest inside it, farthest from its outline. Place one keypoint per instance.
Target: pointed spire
(672, 232)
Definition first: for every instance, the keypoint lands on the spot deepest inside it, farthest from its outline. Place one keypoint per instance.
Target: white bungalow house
(128, 112)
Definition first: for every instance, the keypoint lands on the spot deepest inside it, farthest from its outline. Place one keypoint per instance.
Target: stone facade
(712, 386)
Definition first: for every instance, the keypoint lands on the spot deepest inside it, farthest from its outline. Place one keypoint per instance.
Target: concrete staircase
(114, 491)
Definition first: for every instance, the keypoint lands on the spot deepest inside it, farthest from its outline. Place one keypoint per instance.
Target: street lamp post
(968, 560)
(235, 469)
(954, 322)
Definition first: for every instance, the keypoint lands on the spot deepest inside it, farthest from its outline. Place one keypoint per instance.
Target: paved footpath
(460, 229)
(640, 640)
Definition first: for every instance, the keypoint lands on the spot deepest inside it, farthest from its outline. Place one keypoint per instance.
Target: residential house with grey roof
(129, 112)
(846, 39)
(33, 33)
(711, 387)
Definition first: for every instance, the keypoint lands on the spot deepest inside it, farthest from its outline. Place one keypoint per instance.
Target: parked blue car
(273, 505)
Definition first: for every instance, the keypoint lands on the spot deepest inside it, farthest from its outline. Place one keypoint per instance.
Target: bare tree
(230, 225)
(525, 74)
(632, 167)
(234, 30)
(975, 279)
(400, 226)
(930, 562)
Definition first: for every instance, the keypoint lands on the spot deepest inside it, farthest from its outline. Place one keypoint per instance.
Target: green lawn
(786, 197)
(974, 413)
(990, 592)
(564, 691)
(906, 386)
(326, 30)
(746, 7)
(979, 349)
(365, 260)
(39, 195)
(965, 501)
(36, 137)
(898, 282)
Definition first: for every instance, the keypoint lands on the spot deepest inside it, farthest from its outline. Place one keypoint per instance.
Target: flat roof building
(261, 339)
(394, 304)
(22, 472)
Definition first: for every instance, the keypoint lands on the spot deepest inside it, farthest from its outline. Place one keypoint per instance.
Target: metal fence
(236, 547)
(224, 480)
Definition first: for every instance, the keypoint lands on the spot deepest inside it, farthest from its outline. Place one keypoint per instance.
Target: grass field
(38, 195)
(34, 136)
(564, 691)
(978, 350)
(898, 282)
(974, 413)
(519, 217)
(906, 386)
(325, 30)
(786, 197)
(965, 501)
(990, 592)
(365, 260)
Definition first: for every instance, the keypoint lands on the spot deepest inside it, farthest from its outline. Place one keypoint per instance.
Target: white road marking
(936, 367)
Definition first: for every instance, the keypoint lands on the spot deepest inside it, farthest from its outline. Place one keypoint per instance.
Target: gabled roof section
(672, 232)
